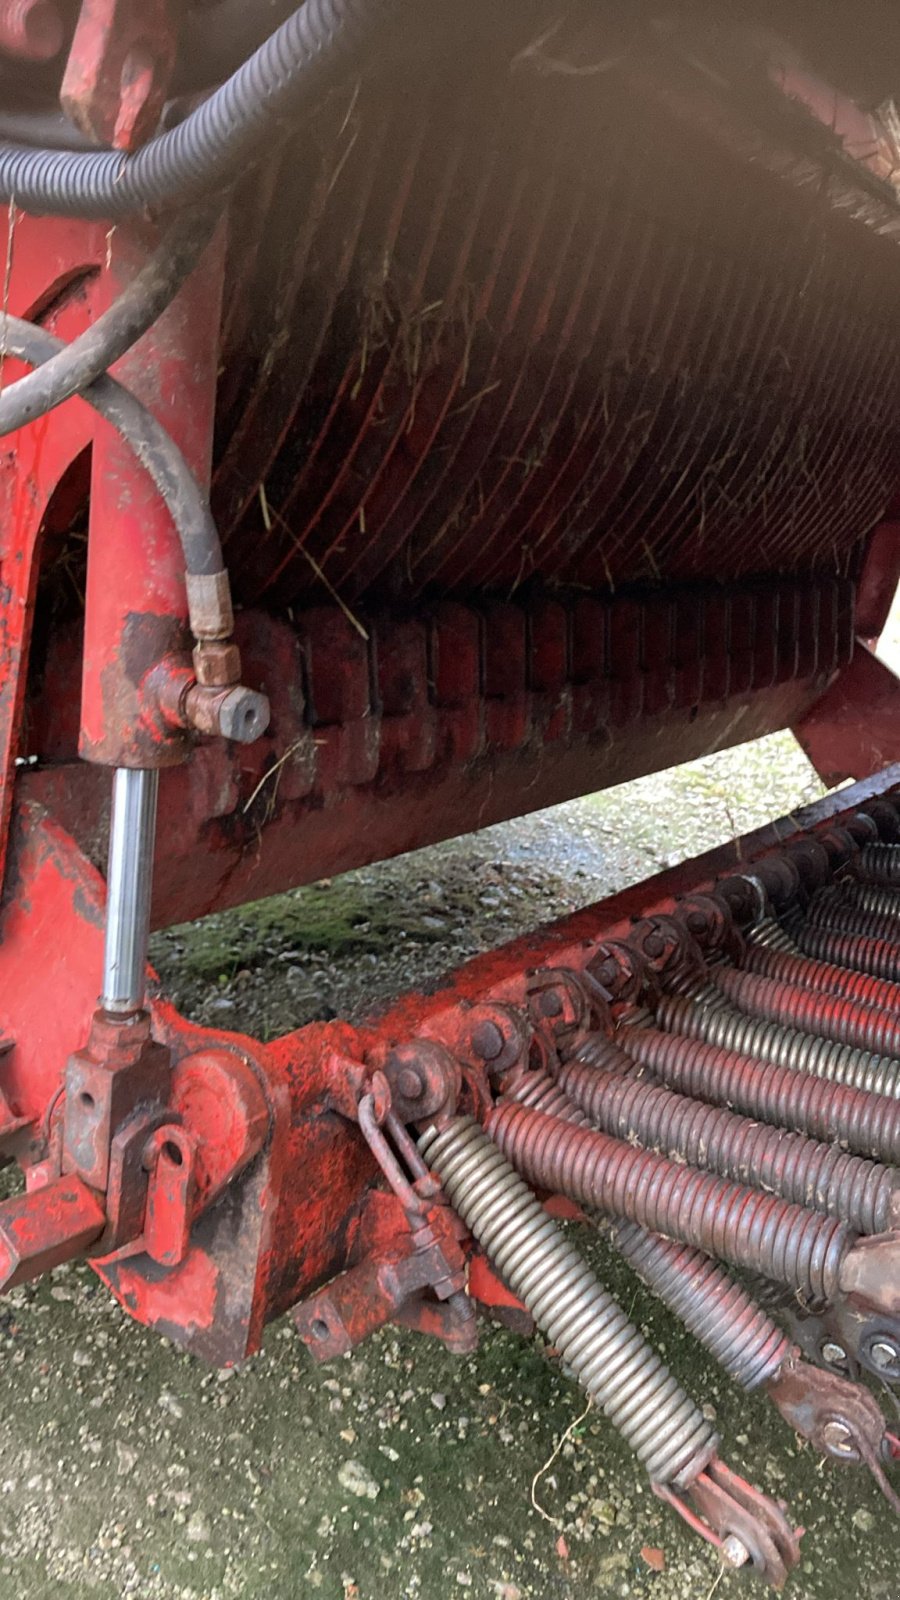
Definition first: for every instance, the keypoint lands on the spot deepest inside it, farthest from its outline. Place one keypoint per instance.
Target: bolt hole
(87, 1100)
(319, 1328)
(172, 1153)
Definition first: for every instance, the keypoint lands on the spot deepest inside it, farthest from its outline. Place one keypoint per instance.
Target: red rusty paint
(297, 1175)
(118, 70)
(460, 730)
(854, 730)
(45, 1227)
(135, 604)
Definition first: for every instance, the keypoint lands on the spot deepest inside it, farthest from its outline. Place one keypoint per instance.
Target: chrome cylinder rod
(132, 836)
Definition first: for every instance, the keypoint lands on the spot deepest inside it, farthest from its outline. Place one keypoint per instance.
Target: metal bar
(132, 837)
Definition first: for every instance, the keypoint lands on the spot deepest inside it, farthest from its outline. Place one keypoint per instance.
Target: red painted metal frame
(461, 716)
(136, 610)
(224, 1209)
(854, 729)
(288, 1218)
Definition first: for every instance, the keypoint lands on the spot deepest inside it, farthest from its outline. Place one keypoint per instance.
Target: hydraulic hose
(79, 364)
(311, 51)
(153, 446)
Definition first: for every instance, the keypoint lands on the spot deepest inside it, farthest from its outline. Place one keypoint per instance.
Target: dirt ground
(398, 1473)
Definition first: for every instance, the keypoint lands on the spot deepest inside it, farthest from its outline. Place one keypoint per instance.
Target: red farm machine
(504, 403)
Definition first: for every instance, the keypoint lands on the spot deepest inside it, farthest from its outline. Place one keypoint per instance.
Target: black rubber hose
(293, 69)
(81, 363)
(154, 448)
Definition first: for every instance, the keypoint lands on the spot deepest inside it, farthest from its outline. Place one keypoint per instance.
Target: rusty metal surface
(120, 61)
(382, 743)
(660, 361)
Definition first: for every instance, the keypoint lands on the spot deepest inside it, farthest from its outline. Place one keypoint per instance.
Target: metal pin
(132, 836)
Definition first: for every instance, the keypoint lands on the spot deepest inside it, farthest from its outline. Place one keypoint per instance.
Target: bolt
(410, 1084)
(550, 1003)
(837, 1437)
(884, 1354)
(487, 1041)
(696, 922)
(654, 945)
(734, 1552)
(834, 1354)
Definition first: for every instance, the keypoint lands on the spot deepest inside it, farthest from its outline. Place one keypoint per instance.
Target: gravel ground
(128, 1469)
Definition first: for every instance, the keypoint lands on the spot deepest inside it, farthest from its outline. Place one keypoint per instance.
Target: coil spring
(820, 1176)
(869, 1124)
(611, 1358)
(870, 898)
(713, 1307)
(719, 1312)
(880, 864)
(824, 977)
(839, 917)
(542, 1093)
(723, 1219)
(843, 1020)
(878, 958)
(778, 1046)
(688, 986)
(768, 934)
(777, 1297)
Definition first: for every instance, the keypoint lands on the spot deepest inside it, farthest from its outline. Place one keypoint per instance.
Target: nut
(837, 1437)
(218, 665)
(884, 1354)
(243, 715)
(734, 1552)
(487, 1040)
(833, 1353)
(238, 713)
(410, 1083)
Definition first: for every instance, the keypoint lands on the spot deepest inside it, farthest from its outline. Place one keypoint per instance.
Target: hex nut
(243, 715)
(217, 665)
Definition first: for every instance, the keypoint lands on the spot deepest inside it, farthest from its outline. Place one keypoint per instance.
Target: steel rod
(132, 836)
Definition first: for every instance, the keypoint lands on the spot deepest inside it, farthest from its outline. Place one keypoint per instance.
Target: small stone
(126, 1459)
(81, 1358)
(198, 1529)
(863, 1520)
(439, 1401)
(353, 1477)
(464, 1578)
(168, 1402)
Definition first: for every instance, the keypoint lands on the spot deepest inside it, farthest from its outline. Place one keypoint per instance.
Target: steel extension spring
(880, 864)
(726, 1220)
(879, 958)
(809, 1173)
(823, 976)
(828, 1017)
(869, 1124)
(717, 1310)
(768, 934)
(865, 897)
(611, 1358)
(840, 917)
(803, 1053)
